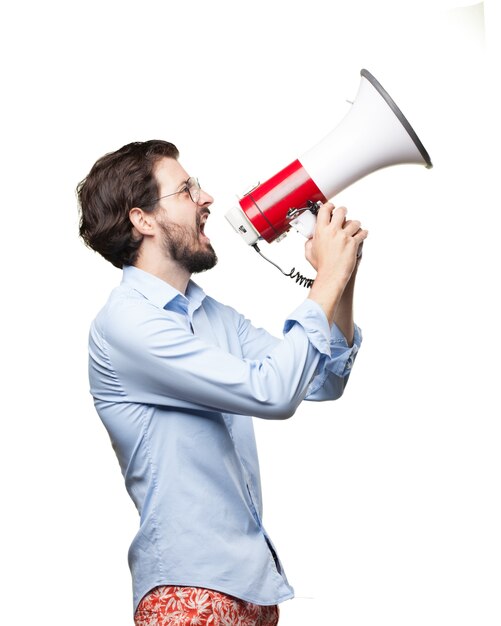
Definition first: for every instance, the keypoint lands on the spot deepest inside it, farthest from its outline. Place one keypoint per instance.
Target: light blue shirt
(175, 379)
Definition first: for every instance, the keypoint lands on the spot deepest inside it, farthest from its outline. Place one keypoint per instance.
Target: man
(176, 377)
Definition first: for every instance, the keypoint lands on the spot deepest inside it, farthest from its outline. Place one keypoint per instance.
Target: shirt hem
(220, 589)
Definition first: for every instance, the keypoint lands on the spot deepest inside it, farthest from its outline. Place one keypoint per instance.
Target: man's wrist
(327, 292)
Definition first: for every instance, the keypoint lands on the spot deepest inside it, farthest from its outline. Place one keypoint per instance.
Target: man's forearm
(343, 315)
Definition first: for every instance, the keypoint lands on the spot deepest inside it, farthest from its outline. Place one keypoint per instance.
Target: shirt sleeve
(332, 378)
(142, 354)
(139, 353)
(333, 369)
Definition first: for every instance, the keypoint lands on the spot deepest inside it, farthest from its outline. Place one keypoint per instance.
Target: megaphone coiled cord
(297, 276)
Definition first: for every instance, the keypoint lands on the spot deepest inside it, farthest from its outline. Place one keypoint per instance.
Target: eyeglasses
(192, 186)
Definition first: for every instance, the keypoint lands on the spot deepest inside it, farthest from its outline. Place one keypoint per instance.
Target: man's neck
(167, 270)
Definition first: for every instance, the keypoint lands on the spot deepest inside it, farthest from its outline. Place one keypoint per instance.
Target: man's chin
(195, 254)
(202, 260)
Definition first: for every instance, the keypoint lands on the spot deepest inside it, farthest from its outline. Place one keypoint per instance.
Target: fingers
(351, 227)
(338, 216)
(329, 216)
(324, 214)
(360, 236)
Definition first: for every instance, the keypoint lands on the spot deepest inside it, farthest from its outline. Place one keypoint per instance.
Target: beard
(183, 245)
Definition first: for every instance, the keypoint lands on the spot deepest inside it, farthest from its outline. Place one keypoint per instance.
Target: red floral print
(193, 606)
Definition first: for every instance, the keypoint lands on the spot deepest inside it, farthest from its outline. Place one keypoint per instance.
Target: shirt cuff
(311, 317)
(342, 355)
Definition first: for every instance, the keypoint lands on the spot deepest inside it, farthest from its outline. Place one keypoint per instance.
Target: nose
(205, 198)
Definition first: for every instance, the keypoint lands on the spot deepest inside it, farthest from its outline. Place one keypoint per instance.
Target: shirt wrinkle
(154, 497)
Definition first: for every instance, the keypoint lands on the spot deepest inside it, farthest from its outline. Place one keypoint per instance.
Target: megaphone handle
(303, 220)
(304, 223)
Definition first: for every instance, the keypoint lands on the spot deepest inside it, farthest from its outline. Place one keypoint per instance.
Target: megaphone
(374, 134)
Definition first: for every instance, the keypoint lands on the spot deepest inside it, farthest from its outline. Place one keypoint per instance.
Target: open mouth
(201, 224)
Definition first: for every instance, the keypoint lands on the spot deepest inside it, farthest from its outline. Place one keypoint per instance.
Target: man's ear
(142, 221)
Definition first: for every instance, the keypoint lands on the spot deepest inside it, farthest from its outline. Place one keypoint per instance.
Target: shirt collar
(160, 293)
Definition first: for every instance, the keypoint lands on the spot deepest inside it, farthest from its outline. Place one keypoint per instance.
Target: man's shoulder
(124, 296)
(212, 304)
(124, 305)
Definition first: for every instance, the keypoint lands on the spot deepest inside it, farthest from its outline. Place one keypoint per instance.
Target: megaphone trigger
(314, 206)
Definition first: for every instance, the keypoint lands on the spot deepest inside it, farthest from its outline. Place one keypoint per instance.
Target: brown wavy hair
(117, 182)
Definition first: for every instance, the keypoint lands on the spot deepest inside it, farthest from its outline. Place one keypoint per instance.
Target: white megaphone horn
(374, 134)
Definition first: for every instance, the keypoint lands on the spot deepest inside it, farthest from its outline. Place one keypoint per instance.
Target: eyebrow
(181, 185)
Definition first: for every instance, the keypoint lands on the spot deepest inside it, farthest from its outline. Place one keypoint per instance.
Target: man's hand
(334, 252)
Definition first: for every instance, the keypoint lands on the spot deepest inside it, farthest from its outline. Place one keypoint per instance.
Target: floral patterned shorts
(193, 606)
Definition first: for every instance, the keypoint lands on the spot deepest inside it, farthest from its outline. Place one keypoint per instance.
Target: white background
(385, 505)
